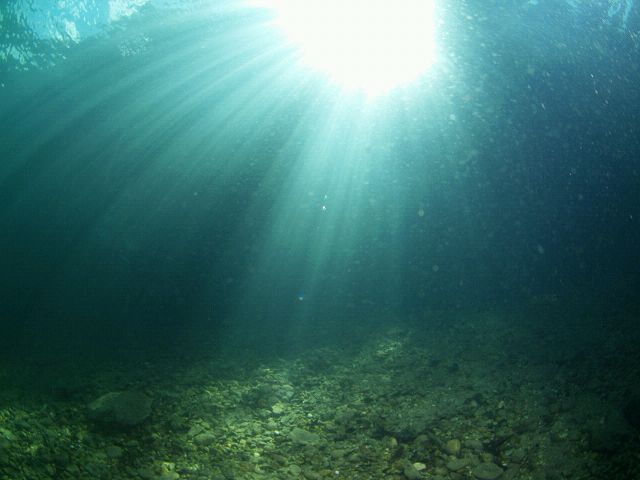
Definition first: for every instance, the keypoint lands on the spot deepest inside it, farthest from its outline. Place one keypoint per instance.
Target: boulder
(120, 409)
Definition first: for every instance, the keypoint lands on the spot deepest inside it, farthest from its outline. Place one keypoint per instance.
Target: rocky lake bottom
(482, 396)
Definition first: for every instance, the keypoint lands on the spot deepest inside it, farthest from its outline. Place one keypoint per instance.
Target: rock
(113, 451)
(390, 442)
(410, 472)
(7, 435)
(487, 471)
(310, 474)
(406, 422)
(146, 473)
(294, 470)
(457, 464)
(453, 447)
(204, 439)
(486, 457)
(474, 444)
(169, 476)
(303, 437)
(120, 409)
(263, 396)
(196, 430)
(517, 455)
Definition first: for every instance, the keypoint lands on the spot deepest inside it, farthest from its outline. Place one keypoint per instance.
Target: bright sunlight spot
(368, 45)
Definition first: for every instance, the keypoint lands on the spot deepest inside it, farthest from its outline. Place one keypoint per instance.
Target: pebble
(391, 442)
(6, 434)
(456, 464)
(453, 446)
(204, 439)
(487, 471)
(310, 474)
(303, 437)
(169, 476)
(294, 470)
(419, 466)
(473, 444)
(410, 472)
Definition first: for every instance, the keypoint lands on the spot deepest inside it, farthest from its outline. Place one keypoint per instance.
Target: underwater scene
(319, 239)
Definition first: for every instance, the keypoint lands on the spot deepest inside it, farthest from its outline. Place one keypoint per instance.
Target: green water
(303, 281)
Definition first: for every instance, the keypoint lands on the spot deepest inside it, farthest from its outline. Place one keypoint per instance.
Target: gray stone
(120, 409)
(487, 471)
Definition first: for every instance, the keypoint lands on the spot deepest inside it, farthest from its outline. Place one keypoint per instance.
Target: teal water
(177, 188)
